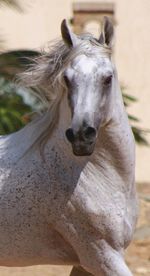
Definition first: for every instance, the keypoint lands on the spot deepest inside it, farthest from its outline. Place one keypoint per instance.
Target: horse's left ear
(68, 36)
(107, 34)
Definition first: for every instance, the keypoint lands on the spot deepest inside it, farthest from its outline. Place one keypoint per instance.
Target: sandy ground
(137, 255)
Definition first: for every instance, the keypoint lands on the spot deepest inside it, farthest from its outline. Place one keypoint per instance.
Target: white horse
(67, 192)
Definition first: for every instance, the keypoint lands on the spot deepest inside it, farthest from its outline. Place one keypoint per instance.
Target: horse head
(89, 78)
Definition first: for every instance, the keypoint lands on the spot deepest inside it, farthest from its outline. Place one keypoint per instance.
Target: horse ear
(107, 34)
(68, 36)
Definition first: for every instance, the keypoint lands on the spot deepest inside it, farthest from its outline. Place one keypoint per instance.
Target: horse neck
(115, 150)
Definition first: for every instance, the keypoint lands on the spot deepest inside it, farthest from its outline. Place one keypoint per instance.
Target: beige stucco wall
(41, 22)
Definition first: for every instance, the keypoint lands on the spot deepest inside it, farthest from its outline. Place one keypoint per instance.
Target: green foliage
(12, 108)
(14, 62)
(12, 104)
(139, 133)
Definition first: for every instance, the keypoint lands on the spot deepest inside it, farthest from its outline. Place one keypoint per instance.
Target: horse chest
(26, 236)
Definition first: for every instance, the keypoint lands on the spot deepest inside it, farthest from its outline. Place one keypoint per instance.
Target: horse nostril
(90, 132)
(70, 135)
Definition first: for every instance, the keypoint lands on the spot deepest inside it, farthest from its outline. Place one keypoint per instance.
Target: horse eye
(107, 80)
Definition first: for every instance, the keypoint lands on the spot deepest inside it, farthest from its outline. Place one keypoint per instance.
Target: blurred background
(26, 27)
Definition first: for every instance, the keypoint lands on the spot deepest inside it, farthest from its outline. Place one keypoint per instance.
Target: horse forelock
(46, 70)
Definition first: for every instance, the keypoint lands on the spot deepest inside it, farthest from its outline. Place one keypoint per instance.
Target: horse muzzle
(83, 141)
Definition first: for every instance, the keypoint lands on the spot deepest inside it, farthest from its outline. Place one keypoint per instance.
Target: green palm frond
(12, 4)
(14, 62)
(133, 118)
(139, 133)
(128, 99)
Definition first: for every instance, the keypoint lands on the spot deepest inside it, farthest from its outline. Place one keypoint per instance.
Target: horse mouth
(83, 150)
